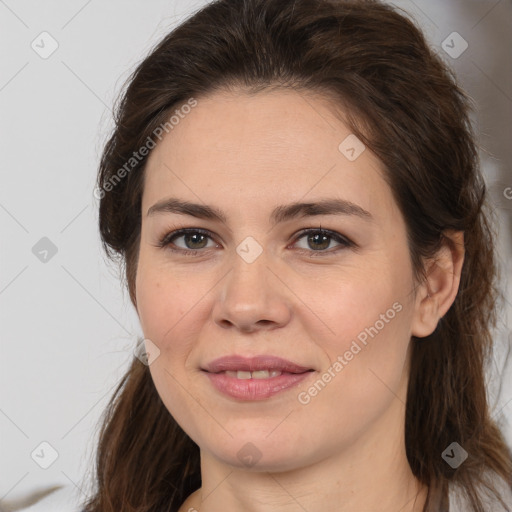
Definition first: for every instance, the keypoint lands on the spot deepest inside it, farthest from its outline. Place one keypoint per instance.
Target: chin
(257, 452)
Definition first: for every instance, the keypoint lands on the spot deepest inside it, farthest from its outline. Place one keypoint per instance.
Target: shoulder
(65, 499)
(459, 503)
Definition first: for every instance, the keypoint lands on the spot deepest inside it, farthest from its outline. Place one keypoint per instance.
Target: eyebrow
(281, 213)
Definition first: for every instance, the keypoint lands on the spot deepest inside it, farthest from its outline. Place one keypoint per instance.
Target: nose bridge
(251, 296)
(249, 268)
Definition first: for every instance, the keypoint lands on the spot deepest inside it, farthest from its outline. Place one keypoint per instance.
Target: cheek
(162, 303)
(166, 306)
(367, 358)
(361, 299)
(368, 317)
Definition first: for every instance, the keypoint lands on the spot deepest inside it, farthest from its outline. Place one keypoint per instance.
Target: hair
(403, 102)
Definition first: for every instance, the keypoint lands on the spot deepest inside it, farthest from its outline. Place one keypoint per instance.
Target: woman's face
(255, 284)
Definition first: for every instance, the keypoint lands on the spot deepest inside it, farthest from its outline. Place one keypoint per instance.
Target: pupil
(316, 238)
(193, 236)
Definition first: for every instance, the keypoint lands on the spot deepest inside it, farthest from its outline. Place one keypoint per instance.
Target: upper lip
(249, 364)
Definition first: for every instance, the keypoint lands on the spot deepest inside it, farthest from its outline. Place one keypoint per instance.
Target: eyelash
(166, 240)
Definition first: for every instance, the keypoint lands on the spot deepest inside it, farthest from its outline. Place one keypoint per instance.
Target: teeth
(258, 374)
(265, 374)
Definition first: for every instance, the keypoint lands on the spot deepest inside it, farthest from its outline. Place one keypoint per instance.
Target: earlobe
(437, 292)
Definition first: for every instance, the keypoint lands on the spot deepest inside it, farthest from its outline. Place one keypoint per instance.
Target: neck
(371, 474)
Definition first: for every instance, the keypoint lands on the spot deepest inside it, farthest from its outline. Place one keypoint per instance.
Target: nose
(252, 297)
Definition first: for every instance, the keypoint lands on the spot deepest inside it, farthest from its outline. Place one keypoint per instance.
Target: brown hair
(403, 102)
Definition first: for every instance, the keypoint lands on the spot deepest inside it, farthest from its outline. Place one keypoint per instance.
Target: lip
(255, 389)
(250, 364)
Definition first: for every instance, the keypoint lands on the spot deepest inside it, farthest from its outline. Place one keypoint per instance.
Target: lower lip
(255, 389)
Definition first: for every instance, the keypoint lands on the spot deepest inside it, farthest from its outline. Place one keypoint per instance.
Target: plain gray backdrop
(67, 328)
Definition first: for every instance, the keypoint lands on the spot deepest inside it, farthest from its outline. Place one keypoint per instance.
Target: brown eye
(319, 240)
(194, 240)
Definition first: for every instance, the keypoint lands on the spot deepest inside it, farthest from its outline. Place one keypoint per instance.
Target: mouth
(257, 367)
(257, 374)
(256, 378)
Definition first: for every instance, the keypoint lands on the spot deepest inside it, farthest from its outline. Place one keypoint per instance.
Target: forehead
(265, 147)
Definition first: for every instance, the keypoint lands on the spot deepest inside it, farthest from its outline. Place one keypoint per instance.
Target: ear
(435, 295)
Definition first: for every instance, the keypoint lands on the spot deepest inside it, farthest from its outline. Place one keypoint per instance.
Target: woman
(293, 188)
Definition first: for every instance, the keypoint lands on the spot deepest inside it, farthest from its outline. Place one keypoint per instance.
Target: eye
(320, 240)
(193, 238)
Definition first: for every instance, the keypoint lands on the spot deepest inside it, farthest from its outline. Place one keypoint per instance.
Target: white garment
(490, 503)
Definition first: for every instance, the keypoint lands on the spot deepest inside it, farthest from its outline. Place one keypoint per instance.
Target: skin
(246, 154)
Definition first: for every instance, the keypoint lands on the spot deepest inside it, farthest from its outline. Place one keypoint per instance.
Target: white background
(67, 329)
